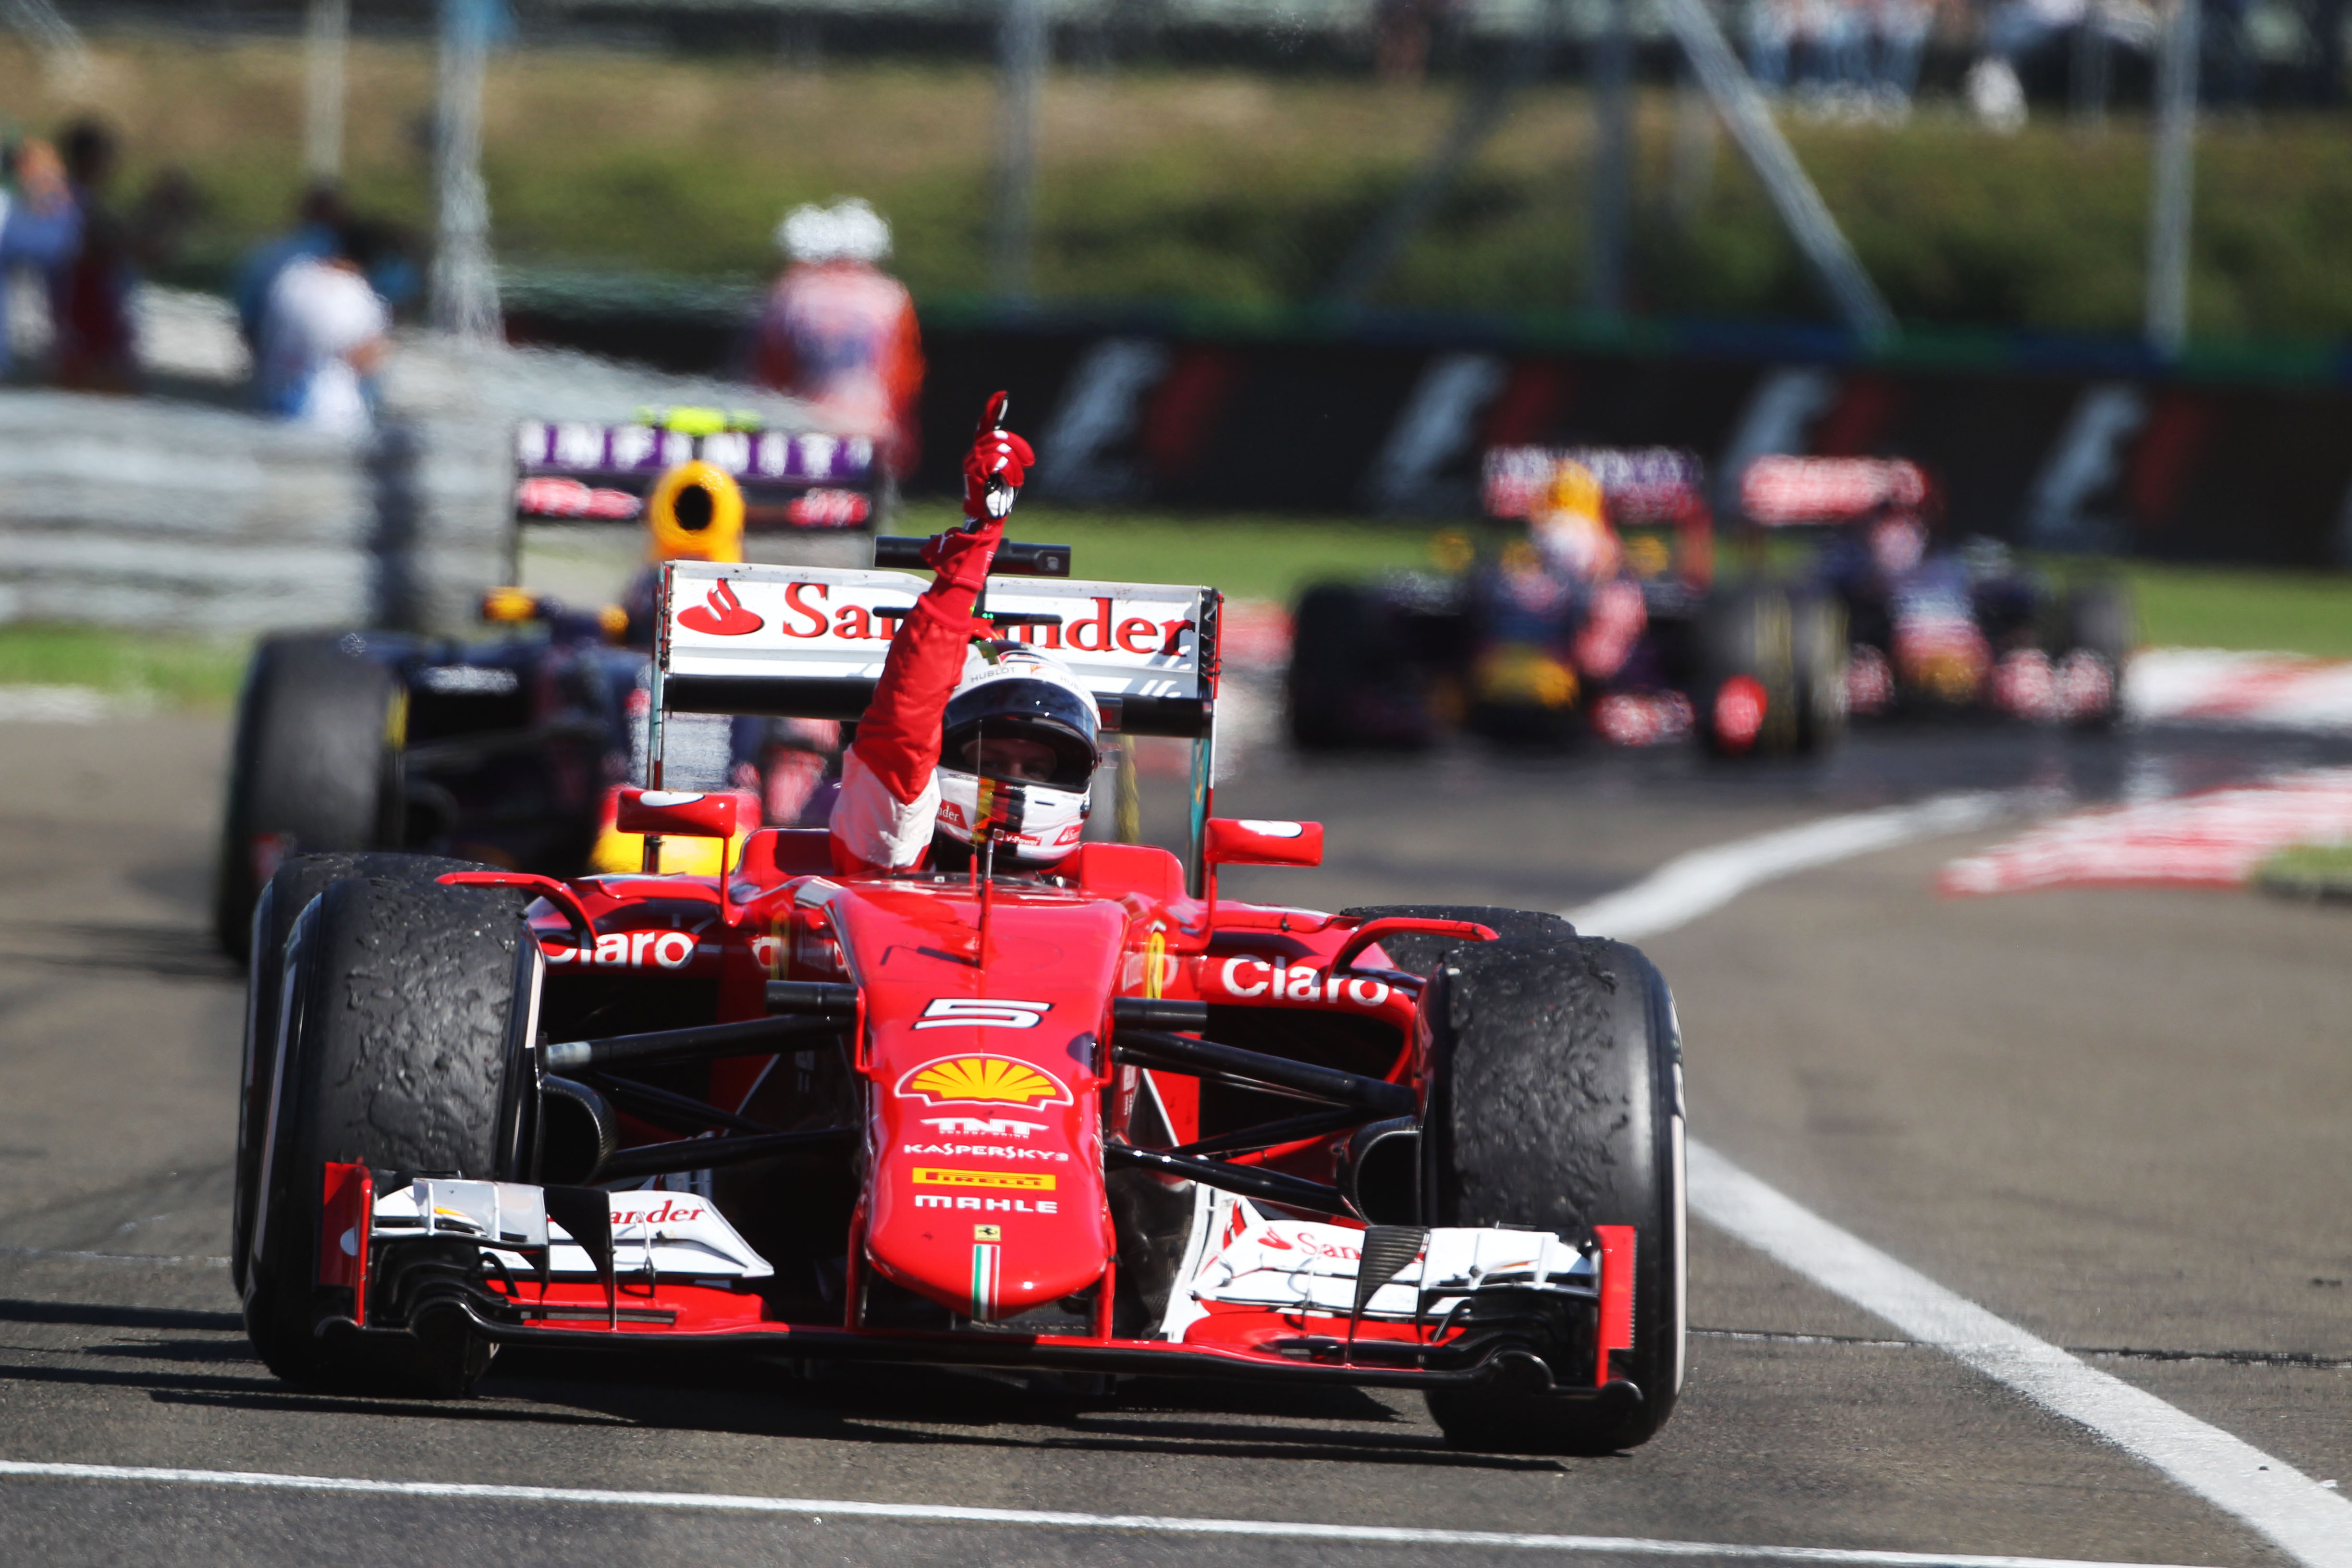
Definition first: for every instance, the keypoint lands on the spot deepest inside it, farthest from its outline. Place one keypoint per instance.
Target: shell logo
(987, 1080)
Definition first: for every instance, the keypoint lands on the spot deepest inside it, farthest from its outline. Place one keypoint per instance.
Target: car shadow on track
(943, 1408)
(196, 1358)
(174, 952)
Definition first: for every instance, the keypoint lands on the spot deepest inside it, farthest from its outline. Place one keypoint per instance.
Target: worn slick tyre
(290, 891)
(1816, 638)
(407, 1047)
(1555, 1102)
(1328, 650)
(315, 768)
(1417, 952)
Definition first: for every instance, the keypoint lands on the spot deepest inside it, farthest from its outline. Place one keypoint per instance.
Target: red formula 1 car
(1101, 1121)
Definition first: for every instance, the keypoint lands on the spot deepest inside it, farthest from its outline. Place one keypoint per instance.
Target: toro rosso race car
(1939, 630)
(1604, 616)
(510, 751)
(1101, 1120)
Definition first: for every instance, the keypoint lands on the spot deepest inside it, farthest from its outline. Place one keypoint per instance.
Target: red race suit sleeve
(889, 787)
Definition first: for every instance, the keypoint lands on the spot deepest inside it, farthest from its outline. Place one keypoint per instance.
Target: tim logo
(982, 1126)
(720, 614)
(965, 1012)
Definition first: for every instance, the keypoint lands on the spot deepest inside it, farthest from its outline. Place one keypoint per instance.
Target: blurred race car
(510, 751)
(1604, 616)
(1938, 630)
(1098, 1122)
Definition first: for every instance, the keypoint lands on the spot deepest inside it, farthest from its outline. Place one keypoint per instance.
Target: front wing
(1258, 1295)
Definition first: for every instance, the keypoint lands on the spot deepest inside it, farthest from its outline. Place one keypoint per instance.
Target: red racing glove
(994, 469)
(962, 558)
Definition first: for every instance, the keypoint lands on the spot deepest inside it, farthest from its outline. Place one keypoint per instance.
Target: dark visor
(1020, 708)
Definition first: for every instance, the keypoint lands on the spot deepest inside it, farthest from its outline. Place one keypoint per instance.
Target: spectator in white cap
(840, 333)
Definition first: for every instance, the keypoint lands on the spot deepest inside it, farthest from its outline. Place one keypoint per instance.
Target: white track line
(1705, 880)
(934, 1513)
(2311, 1523)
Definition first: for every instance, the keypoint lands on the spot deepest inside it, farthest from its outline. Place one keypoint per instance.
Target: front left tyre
(1555, 1103)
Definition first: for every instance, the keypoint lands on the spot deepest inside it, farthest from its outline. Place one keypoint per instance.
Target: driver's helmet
(1011, 693)
(1571, 526)
(849, 231)
(1899, 541)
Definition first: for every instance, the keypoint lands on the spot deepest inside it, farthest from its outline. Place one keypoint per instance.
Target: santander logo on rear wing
(809, 641)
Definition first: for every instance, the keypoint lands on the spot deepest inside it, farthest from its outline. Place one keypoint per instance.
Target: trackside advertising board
(756, 622)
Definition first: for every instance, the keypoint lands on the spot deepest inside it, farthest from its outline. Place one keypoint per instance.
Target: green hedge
(1226, 189)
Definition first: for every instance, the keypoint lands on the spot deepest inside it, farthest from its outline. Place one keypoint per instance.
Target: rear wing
(1782, 491)
(1641, 484)
(792, 481)
(808, 642)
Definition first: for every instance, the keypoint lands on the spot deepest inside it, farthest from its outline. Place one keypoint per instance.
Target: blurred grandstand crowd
(1843, 57)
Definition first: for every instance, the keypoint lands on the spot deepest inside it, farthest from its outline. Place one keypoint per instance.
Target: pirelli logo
(1020, 1181)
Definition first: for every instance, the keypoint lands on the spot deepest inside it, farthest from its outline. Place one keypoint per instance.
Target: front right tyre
(409, 1009)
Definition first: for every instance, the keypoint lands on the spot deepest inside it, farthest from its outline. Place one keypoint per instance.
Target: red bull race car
(1936, 629)
(509, 749)
(1600, 613)
(1102, 1122)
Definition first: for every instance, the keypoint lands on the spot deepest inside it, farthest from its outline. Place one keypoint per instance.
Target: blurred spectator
(840, 332)
(1403, 32)
(323, 331)
(39, 226)
(318, 218)
(2227, 75)
(1773, 27)
(91, 286)
(89, 289)
(1901, 38)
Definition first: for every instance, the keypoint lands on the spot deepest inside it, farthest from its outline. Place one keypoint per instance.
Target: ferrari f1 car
(1103, 1122)
(1939, 630)
(509, 749)
(1605, 618)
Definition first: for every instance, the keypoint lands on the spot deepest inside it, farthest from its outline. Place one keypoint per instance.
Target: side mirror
(675, 814)
(1249, 841)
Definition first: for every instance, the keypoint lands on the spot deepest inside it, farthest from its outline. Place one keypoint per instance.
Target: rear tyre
(1556, 1101)
(1817, 625)
(1327, 651)
(1748, 694)
(407, 1047)
(282, 902)
(2099, 624)
(1418, 952)
(315, 768)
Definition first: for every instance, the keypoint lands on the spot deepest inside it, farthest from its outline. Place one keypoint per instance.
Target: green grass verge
(1275, 557)
(2308, 871)
(189, 672)
(2226, 608)
(1249, 558)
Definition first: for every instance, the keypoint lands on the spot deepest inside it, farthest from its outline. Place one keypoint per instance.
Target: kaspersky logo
(982, 1080)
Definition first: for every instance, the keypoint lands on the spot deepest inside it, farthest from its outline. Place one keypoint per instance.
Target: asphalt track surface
(2116, 1121)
